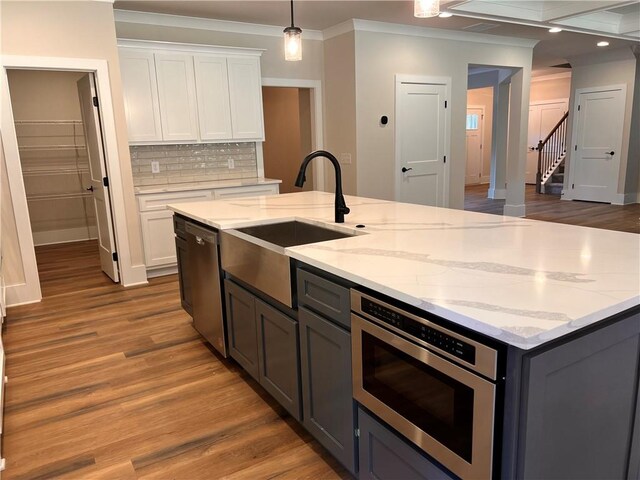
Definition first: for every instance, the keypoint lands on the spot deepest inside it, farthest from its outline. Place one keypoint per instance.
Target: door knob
(405, 169)
(610, 153)
(90, 189)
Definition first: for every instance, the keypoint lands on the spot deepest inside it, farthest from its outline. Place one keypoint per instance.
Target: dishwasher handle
(202, 235)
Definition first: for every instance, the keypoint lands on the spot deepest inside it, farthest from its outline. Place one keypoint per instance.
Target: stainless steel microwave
(409, 372)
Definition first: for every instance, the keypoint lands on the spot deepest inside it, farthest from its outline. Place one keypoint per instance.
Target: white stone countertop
(187, 186)
(524, 282)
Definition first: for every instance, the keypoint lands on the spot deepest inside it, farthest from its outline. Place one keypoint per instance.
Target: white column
(517, 143)
(499, 130)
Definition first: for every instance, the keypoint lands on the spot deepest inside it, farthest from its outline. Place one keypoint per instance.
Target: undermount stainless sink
(291, 234)
(269, 269)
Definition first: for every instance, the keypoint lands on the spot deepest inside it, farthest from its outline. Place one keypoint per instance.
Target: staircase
(552, 152)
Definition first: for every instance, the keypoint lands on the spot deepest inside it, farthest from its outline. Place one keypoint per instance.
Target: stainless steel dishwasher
(206, 275)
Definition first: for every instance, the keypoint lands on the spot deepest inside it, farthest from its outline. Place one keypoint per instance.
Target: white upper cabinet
(245, 94)
(212, 87)
(140, 95)
(191, 93)
(177, 95)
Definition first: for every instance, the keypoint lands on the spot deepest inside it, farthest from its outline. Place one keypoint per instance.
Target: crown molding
(339, 29)
(188, 47)
(165, 20)
(416, 31)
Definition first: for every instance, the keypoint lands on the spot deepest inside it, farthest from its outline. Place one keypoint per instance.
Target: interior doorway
(543, 117)
(288, 134)
(62, 160)
(479, 125)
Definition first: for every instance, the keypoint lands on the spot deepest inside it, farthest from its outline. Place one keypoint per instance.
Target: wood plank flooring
(109, 383)
(623, 218)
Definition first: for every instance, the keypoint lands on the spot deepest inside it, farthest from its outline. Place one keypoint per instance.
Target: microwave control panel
(432, 336)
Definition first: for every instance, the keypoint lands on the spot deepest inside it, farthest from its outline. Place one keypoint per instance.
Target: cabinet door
(241, 327)
(328, 407)
(212, 89)
(157, 238)
(278, 357)
(385, 456)
(183, 275)
(140, 93)
(177, 95)
(245, 93)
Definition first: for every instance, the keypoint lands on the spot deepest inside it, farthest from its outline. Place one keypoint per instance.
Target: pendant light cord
(292, 24)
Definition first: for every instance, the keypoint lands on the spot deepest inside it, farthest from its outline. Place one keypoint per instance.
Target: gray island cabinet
(563, 313)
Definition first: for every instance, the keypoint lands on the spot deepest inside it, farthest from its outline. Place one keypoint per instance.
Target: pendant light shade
(426, 8)
(292, 41)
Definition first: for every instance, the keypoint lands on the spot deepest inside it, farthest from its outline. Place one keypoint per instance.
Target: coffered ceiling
(584, 23)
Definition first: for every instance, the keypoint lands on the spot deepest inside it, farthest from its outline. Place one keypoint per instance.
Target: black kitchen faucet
(340, 205)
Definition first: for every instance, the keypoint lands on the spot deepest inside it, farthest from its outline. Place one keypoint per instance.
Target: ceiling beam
(629, 23)
(574, 9)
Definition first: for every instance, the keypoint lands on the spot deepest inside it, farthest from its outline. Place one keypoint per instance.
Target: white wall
(614, 67)
(550, 88)
(379, 56)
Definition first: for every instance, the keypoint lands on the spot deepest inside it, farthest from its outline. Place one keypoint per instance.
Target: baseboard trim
(514, 210)
(67, 235)
(626, 198)
(159, 272)
(137, 276)
(497, 193)
(21, 294)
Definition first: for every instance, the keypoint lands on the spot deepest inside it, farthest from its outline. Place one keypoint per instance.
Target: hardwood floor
(108, 382)
(623, 218)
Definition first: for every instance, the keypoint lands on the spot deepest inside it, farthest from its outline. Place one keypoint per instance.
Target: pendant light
(426, 8)
(292, 41)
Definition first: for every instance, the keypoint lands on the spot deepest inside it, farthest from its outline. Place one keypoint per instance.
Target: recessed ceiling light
(555, 30)
(445, 15)
(602, 44)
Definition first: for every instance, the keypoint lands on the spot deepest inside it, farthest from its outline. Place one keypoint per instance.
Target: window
(472, 121)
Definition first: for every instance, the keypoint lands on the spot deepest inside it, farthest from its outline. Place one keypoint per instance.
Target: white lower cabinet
(156, 221)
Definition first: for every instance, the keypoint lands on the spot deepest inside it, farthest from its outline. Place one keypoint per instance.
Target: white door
(475, 121)
(140, 92)
(420, 143)
(97, 171)
(543, 117)
(212, 90)
(245, 94)
(177, 96)
(595, 161)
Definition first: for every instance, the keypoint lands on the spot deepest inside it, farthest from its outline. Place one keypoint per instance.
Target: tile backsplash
(202, 162)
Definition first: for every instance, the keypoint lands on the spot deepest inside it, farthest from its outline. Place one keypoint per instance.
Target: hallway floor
(550, 208)
(107, 382)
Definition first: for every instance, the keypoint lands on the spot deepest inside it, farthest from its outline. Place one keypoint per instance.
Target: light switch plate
(345, 158)
(232, 164)
(155, 167)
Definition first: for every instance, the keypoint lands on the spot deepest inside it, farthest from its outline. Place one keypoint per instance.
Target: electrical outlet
(345, 158)
(155, 167)
(232, 164)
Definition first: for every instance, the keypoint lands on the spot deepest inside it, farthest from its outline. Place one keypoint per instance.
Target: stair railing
(551, 149)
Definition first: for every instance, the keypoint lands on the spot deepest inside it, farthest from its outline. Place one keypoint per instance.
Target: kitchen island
(562, 300)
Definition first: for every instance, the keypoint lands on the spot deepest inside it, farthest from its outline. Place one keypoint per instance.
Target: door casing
(29, 291)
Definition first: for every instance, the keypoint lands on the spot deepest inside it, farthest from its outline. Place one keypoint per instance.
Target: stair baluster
(550, 150)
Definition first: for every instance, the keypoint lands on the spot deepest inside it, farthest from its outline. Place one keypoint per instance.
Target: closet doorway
(61, 151)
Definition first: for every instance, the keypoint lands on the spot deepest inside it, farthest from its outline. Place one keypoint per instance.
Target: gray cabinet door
(328, 407)
(385, 456)
(241, 327)
(184, 279)
(278, 357)
(580, 401)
